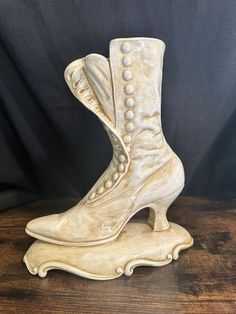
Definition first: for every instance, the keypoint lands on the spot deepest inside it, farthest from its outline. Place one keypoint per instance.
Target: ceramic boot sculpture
(124, 92)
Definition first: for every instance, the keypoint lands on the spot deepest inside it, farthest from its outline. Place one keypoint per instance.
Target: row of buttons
(119, 164)
(83, 89)
(129, 90)
(129, 126)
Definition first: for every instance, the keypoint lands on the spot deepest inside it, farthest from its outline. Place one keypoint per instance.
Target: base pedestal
(137, 245)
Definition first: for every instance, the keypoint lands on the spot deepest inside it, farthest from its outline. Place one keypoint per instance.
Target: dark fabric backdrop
(50, 146)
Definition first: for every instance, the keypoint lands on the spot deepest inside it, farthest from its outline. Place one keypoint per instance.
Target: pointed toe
(41, 228)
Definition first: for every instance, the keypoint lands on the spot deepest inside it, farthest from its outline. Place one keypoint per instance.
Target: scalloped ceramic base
(137, 245)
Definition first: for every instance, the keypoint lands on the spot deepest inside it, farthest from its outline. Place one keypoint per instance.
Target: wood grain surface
(203, 280)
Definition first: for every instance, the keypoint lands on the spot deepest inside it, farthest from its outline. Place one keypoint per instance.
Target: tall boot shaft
(136, 67)
(125, 93)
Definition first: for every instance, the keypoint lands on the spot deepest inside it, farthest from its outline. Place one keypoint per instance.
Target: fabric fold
(97, 69)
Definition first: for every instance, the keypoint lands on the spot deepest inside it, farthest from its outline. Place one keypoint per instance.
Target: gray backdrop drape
(51, 146)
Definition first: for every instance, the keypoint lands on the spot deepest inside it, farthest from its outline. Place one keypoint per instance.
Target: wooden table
(203, 280)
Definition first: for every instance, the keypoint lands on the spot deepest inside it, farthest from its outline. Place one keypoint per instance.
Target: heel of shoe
(157, 213)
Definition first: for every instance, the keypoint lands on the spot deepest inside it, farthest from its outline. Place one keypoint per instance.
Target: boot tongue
(97, 69)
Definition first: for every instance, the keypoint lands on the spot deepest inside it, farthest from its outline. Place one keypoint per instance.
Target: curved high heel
(157, 212)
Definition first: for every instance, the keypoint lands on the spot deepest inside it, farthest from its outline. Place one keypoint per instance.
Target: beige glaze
(124, 92)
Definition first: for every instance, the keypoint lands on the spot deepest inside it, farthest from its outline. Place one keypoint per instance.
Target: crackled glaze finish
(138, 245)
(124, 92)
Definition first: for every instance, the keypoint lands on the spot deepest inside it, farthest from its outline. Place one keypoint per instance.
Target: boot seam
(133, 188)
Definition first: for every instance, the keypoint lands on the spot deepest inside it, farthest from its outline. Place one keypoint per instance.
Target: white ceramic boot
(125, 94)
